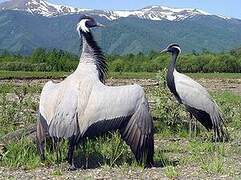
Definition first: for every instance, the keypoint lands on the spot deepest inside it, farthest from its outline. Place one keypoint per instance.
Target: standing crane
(195, 97)
(82, 106)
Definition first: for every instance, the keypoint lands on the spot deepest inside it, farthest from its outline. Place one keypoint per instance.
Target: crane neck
(170, 76)
(88, 46)
(172, 65)
(92, 54)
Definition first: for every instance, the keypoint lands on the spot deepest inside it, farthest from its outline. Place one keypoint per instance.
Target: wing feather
(108, 103)
(197, 99)
(124, 108)
(58, 104)
(138, 134)
(104, 126)
(193, 94)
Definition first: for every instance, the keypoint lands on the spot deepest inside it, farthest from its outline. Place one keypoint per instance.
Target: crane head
(172, 48)
(86, 23)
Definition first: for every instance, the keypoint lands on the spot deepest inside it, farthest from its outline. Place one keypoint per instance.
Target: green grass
(171, 172)
(231, 108)
(57, 172)
(109, 150)
(31, 75)
(21, 154)
(16, 111)
(15, 88)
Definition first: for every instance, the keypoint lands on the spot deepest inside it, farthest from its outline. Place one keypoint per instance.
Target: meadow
(176, 155)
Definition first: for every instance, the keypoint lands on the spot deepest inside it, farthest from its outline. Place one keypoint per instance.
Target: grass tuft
(21, 154)
(171, 172)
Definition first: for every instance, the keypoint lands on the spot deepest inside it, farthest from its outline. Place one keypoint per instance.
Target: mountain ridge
(21, 31)
(157, 12)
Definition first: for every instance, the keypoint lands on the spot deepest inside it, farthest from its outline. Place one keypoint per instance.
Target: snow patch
(155, 13)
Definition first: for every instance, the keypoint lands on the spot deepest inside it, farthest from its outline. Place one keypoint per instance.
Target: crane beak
(164, 51)
(100, 25)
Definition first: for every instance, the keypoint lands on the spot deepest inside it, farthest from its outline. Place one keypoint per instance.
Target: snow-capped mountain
(40, 7)
(45, 8)
(32, 24)
(157, 13)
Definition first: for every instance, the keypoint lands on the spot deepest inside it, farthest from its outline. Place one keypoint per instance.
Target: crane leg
(195, 127)
(70, 156)
(58, 150)
(190, 127)
(86, 153)
(55, 149)
(215, 136)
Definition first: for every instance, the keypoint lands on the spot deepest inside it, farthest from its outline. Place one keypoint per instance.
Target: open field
(33, 81)
(176, 156)
(115, 75)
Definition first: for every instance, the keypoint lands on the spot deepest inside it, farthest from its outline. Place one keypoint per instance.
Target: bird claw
(72, 168)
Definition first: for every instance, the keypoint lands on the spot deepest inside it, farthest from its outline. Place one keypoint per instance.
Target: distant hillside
(22, 32)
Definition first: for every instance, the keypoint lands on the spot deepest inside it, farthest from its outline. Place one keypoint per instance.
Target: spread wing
(58, 104)
(108, 107)
(124, 108)
(138, 133)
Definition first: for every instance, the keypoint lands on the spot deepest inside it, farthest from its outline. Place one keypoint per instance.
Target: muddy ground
(233, 85)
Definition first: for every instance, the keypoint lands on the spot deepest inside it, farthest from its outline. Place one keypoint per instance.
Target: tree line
(59, 60)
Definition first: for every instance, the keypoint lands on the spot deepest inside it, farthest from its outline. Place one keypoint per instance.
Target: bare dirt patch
(233, 85)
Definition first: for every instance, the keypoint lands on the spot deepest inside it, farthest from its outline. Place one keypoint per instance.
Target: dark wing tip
(138, 134)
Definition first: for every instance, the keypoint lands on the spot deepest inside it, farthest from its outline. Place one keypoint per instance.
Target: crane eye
(90, 23)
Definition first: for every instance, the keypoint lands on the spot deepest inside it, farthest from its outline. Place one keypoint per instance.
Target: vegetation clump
(58, 60)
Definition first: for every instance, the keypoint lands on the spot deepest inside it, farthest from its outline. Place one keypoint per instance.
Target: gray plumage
(195, 97)
(82, 106)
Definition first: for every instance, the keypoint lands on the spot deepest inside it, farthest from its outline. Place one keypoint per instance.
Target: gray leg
(195, 128)
(215, 135)
(59, 150)
(85, 154)
(190, 127)
(71, 153)
(55, 148)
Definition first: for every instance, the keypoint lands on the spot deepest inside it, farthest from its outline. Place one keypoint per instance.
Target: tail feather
(219, 128)
(211, 121)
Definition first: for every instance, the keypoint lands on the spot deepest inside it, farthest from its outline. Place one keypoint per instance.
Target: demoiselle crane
(83, 106)
(194, 97)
